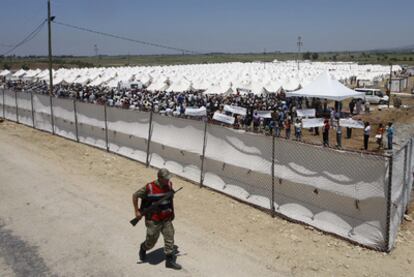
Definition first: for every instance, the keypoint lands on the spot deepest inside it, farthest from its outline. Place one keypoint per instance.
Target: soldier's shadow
(155, 257)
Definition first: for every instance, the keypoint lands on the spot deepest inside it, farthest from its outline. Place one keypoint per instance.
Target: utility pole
(96, 50)
(389, 86)
(299, 44)
(49, 21)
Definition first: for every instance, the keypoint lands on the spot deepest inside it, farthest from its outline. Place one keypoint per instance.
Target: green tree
(306, 56)
(315, 56)
(25, 67)
(6, 66)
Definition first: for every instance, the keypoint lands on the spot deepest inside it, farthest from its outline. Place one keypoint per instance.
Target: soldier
(159, 221)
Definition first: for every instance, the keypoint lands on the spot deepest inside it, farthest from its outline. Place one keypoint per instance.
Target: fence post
(410, 173)
(106, 129)
(4, 106)
(149, 137)
(17, 107)
(204, 153)
(76, 120)
(405, 180)
(272, 204)
(33, 113)
(389, 205)
(52, 119)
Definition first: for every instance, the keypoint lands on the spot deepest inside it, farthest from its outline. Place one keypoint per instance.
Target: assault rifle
(154, 206)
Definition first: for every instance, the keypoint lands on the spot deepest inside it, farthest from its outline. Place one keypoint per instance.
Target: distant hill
(405, 49)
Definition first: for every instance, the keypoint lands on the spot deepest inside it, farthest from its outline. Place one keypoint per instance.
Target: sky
(208, 25)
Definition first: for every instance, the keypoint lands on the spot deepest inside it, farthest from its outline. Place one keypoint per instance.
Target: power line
(29, 37)
(128, 39)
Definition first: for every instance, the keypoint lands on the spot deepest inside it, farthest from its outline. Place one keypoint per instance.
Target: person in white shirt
(298, 129)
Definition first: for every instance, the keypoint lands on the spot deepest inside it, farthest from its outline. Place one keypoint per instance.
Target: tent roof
(325, 86)
(5, 73)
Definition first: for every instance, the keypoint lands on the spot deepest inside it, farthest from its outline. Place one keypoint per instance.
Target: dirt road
(64, 211)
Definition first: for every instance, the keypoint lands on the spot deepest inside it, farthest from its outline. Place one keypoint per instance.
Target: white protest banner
(196, 111)
(223, 118)
(235, 109)
(306, 113)
(264, 114)
(312, 122)
(349, 122)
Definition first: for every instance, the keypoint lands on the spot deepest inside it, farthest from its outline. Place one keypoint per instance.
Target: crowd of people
(283, 109)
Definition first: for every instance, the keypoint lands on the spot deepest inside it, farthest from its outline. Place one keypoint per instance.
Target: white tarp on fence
(24, 108)
(177, 145)
(344, 193)
(401, 188)
(41, 106)
(64, 118)
(128, 133)
(91, 124)
(10, 105)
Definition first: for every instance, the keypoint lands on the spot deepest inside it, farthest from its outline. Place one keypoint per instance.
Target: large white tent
(31, 75)
(219, 88)
(161, 84)
(325, 86)
(18, 75)
(5, 73)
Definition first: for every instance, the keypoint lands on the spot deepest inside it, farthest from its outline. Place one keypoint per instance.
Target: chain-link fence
(361, 197)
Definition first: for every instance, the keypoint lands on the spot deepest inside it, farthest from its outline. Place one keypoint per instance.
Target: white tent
(43, 75)
(5, 73)
(273, 86)
(219, 89)
(31, 74)
(144, 79)
(201, 84)
(180, 86)
(161, 84)
(18, 75)
(325, 86)
(290, 84)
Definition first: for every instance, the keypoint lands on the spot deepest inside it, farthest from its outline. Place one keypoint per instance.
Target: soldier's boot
(142, 252)
(170, 262)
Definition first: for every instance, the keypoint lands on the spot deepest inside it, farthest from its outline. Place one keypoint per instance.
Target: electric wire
(29, 37)
(127, 39)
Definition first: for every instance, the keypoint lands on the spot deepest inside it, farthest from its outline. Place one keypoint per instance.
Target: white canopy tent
(5, 73)
(31, 74)
(325, 86)
(180, 86)
(218, 88)
(18, 75)
(160, 85)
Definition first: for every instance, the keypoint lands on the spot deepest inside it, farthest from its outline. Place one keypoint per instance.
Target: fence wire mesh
(361, 197)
